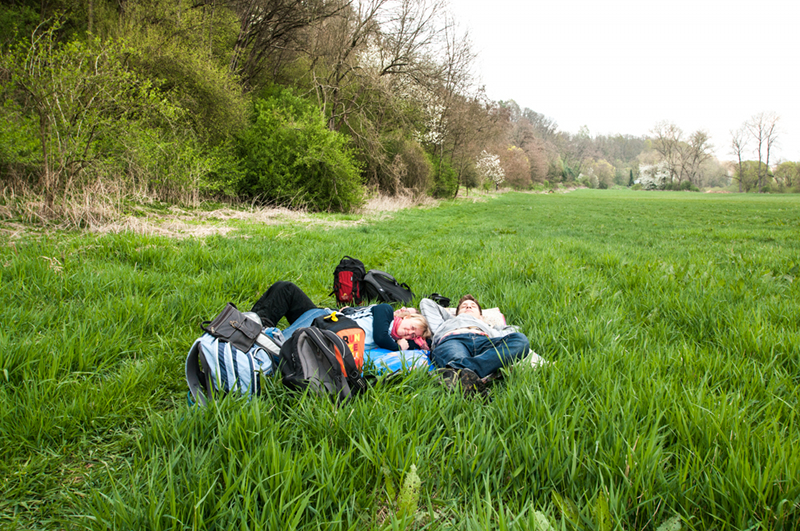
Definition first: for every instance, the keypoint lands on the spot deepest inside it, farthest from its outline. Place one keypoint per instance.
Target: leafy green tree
(787, 175)
(602, 174)
(187, 50)
(83, 99)
(445, 181)
(290, 157)
(747, 174)
(16, 19)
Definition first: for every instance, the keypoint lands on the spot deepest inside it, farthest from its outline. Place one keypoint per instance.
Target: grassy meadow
(671, 320)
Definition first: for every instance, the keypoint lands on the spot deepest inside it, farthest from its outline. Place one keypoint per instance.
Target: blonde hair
(417, 319)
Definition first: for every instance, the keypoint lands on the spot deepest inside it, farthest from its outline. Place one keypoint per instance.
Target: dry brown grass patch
(102, 214)
(380, 204)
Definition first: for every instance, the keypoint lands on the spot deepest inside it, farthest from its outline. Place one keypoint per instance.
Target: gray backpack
(321, 361)
(383, 287)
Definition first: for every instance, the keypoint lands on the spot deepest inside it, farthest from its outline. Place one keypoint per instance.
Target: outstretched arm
(435, 314)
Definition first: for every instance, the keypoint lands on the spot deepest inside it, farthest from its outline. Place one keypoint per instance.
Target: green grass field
(672, 321)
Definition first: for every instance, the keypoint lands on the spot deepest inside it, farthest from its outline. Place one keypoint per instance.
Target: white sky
(621, 66)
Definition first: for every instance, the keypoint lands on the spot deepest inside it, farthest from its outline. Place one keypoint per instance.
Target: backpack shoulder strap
(327, 341)
(198, 379)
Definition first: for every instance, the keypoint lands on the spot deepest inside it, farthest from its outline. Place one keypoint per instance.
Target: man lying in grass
(466, 348)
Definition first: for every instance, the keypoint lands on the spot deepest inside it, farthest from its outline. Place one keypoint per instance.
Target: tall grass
(671, 320)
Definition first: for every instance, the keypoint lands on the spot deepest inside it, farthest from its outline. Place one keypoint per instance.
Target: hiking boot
(471, 383)
(448, 377)
(490, 378)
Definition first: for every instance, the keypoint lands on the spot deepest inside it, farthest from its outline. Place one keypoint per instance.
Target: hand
(403, 344)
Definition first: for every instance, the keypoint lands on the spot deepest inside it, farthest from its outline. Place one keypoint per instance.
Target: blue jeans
(304, 320)
(479, 353)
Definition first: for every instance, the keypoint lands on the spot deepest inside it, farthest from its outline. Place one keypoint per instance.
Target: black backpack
(346, 328)
(320, 360)
(383, 287)
(348, 279)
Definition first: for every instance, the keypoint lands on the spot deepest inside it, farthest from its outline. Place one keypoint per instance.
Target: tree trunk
(741, 174)
(48, 175)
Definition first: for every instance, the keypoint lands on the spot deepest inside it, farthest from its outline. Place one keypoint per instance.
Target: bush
(20, 147)
(410, 167)
(470, 178)
(445, 179)
(289, 157)
(688, 187)
(98, 119)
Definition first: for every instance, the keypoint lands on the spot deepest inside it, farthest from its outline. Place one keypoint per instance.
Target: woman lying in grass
(383, 327)
(468, 349)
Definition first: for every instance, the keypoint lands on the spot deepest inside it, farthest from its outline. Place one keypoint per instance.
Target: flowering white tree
(489, 168)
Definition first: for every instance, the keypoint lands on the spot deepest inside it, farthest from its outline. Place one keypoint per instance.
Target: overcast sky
(621, 66)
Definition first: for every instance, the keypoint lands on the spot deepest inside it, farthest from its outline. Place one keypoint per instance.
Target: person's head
(413, 326)
(468, 304)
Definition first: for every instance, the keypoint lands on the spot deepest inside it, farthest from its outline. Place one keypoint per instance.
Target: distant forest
(301, 103)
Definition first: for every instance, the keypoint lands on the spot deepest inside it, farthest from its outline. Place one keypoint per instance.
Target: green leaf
(602, 515)
(673, 524)
(567, 507)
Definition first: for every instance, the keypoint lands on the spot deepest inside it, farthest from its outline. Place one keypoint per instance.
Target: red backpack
(348, 281)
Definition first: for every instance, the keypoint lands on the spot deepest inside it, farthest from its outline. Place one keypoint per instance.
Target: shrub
(490, 170)
(470, 178)
(97, 119)
(516, 167)
(409, 168)
(445, 179)
(20, 148)
(688, 186)
(290, 157)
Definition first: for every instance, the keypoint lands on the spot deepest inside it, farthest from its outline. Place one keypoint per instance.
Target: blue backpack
(215, 367)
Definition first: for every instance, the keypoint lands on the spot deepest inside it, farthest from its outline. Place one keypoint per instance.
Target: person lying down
(385, 330)
(468, 350)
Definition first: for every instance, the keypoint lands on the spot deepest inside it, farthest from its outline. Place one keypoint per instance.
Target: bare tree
(472, 126)
(738, 147)
(354, 54)
(516, 166)
(376, 72)
(545, 127)
(763, 129)
(453, 81)
(693, 154)
(409, 31)
(575, 151)
(271, 28)
(668, 137)
(683, 158)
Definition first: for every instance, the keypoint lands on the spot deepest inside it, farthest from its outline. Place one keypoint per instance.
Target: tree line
(303, 103)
